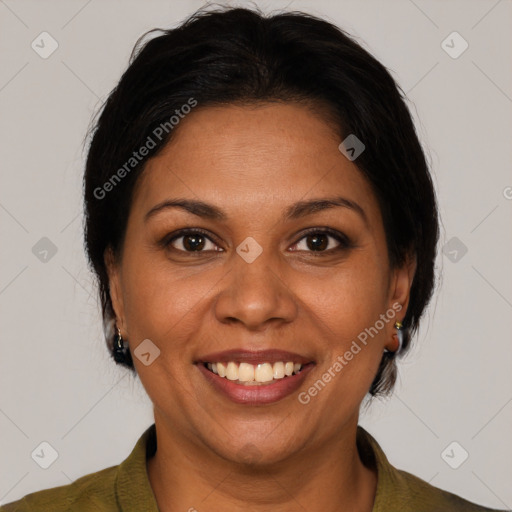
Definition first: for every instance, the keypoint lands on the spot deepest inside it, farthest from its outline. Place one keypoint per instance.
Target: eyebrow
(293, 212)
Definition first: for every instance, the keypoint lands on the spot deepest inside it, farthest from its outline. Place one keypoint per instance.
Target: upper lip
(253, 356)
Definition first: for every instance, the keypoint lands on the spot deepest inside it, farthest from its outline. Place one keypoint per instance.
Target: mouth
(254, 378)
(247, 374)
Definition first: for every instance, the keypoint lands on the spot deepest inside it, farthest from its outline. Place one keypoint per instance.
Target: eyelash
(342, 239)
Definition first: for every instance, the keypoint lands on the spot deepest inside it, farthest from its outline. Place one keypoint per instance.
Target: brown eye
(191, 241)
(317, 242)
(194, 242)
(322, 241)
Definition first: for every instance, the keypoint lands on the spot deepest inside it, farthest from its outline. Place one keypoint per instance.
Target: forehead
(244, 157)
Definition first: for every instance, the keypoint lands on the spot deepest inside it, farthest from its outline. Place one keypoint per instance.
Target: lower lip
(256, 394)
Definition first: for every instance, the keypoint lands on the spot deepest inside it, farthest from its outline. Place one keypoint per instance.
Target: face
(258, 270)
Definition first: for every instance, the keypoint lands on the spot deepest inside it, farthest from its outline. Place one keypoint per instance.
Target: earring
(400, 337)
(120, 352)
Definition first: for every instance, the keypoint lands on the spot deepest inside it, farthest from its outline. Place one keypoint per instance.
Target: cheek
(162, 301)
(349, 298)
(346, 307)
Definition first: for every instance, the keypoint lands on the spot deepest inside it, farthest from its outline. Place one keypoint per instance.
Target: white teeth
(278, 370)
(232, 371)
(263, 373)
(246, 373)
(221, 369)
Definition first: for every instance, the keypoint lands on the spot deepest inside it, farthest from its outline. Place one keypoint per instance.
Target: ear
(400, 288)
(114, 284)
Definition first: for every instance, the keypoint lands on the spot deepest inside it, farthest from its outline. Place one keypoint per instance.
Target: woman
(263, 227)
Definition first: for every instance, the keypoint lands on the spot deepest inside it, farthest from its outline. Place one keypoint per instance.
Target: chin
(253, 451)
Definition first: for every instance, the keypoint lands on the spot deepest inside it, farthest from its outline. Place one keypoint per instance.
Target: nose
(255, 295)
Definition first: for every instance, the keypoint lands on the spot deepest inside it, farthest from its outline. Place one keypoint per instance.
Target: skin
(254, 162)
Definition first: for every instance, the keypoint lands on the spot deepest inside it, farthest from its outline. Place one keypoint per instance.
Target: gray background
(56, 380)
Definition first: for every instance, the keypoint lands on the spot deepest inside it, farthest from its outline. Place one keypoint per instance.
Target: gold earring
(399, 337)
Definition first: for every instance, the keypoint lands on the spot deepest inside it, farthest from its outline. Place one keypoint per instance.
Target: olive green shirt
(126, 487)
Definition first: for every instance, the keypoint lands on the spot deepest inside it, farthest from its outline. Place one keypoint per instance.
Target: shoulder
(400, 491)
(92, 492)
(120, 487)
(426, 498)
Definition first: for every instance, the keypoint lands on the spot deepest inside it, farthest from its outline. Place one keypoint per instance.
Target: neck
(329, 478)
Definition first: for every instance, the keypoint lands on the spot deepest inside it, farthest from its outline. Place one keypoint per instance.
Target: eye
(321, 241)
(188, 240)
(316, 240)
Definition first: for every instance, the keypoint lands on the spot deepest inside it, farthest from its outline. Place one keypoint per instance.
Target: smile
(254, 374)
(254, 377)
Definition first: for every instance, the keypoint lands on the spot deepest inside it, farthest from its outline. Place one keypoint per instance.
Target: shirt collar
(389, 478)
(132, 484)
